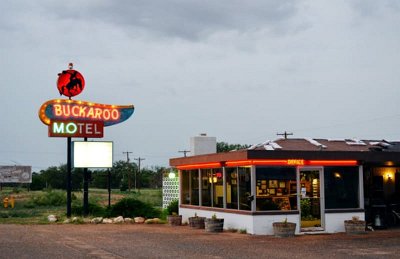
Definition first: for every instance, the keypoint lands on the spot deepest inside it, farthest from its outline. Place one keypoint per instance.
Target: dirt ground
(163, 241)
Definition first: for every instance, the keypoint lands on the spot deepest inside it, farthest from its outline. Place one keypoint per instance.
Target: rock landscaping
(101, 220)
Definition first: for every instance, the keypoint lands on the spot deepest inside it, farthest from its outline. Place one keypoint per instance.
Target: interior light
(389, 163)
(212, 179)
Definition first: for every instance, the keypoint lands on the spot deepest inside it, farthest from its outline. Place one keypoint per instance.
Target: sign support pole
(109, 188)
(69, 176)
(85, 190)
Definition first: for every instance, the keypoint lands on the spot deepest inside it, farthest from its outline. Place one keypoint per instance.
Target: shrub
(305, 206)
(94, 209)
(29, 205)
(50, 198)
(130, 207)
(173, 207)
(243, 231)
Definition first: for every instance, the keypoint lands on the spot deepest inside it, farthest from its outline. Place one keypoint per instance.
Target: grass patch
(33, 207)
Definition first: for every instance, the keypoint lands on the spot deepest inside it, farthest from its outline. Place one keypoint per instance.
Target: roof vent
(316, 143)
(268, 145)
(355, 142)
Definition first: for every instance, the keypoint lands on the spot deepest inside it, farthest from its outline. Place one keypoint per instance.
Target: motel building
(315, 183)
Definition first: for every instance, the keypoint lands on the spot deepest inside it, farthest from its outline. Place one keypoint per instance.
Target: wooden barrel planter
(174, 220)
(214, 225)
(284, 229)
(354, 227)
(197, 222)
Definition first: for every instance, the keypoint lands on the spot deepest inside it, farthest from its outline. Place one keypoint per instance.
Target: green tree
(151, 177)
(156, 181)
(226, 147)
(99, 179)
(38, 182)
(55, 177)
(123, 175)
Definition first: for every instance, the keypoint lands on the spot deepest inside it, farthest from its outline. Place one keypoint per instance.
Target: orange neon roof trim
(332, 162)
(204, 165)
(257, 162)
(287, 162)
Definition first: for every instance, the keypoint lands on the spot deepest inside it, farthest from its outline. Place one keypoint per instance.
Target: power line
(129, 171)
(139, 159)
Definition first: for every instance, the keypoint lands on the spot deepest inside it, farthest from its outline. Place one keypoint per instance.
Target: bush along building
(315, 183)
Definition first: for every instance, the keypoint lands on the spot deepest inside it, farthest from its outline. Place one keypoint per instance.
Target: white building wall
(262, 224)
(231, 220)
(335, 221)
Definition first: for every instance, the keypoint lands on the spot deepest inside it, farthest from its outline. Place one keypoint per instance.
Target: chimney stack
(202, 144)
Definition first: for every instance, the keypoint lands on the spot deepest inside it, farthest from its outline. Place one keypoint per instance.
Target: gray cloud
(187, 19)
(238, 70)
(371, 8)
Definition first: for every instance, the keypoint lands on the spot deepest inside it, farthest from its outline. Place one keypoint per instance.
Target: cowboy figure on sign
(70, 82)
(73, 84)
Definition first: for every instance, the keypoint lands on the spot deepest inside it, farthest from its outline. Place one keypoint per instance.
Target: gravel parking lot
(163, 241)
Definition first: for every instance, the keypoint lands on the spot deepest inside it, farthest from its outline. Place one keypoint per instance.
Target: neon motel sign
(77, 129)
(71, 118)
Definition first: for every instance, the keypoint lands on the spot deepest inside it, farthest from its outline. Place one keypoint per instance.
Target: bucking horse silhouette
(73, 83)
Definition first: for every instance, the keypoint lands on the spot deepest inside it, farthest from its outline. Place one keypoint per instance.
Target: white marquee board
(92, 154)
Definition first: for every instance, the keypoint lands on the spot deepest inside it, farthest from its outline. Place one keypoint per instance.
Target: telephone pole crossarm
(285, 134)
(184, 152)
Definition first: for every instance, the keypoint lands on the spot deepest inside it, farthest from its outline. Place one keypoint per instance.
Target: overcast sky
(241, 71)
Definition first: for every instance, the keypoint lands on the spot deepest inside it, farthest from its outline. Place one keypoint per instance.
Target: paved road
(162, 241)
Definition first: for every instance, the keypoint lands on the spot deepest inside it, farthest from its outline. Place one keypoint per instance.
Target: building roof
(365, 151)
(308, 144)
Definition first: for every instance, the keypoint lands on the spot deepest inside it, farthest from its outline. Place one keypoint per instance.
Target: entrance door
(310, 200)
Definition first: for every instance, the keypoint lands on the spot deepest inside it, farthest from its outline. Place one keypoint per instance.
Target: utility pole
(285, 134)
(184, 152)
(139, 159)
(129, 173)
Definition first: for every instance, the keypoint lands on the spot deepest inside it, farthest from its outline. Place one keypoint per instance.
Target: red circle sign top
(70, 83)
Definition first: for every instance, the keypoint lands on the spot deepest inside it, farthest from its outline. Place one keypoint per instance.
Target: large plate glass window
(341, 187)
(276, 188)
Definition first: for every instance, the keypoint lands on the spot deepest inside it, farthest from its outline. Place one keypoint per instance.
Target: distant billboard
(15, 174)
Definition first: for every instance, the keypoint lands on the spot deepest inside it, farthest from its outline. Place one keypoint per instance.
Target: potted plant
(214, 224)
(284, 229)
(173, 218)
(355, 226)
(197, 222)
